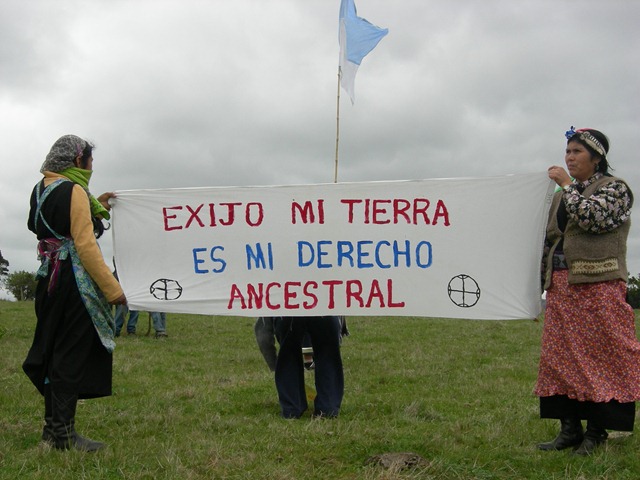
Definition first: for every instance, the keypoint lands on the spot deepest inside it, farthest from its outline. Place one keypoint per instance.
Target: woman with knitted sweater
(590, 357)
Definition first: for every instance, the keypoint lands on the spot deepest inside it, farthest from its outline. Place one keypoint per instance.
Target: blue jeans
(121, 313)
(159, 321)
(325, 334)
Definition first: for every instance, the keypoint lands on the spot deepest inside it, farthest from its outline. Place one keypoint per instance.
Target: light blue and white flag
(357, 38)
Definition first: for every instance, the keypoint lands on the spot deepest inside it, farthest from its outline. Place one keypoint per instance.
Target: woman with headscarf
(590, 356)
(71, 354)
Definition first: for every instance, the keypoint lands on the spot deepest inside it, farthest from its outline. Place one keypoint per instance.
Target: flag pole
(335, 173)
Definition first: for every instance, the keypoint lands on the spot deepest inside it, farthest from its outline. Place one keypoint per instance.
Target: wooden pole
(335, 173)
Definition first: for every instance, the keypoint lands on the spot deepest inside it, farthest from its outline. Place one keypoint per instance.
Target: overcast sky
(185, 93)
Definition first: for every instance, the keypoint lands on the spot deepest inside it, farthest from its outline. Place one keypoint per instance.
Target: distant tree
(4, 267)
(633, 291)
(22, 285)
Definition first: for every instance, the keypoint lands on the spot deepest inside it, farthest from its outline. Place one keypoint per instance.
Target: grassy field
(202, 405)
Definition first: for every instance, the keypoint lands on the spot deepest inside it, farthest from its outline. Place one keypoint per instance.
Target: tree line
(633, 291)
(22, 284)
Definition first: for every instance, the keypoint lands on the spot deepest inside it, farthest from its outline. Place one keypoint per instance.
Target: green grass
(202, 405)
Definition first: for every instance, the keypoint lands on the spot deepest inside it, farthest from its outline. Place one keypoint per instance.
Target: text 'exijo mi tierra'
(367, 211)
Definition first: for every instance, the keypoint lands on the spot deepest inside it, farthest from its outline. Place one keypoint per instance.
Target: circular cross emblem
(165, 289)
(463, 291)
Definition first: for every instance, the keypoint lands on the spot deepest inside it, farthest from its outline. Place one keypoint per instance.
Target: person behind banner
(325, 334)
(122, 311)
(590, 357)
(71, 354)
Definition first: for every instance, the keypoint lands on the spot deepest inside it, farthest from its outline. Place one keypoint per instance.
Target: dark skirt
(66, 348)
(611, 415)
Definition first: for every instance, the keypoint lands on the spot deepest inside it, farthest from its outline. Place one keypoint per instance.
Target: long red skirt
(590, 351)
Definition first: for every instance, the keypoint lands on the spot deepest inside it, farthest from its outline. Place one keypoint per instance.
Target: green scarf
(82, 177)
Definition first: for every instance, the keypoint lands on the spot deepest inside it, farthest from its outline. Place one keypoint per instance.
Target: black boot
(571, 435)
(63, 424)
(594, 436)
(47, 430)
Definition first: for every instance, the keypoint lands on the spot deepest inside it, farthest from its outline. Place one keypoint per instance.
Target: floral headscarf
(63, 153)
(60, 159)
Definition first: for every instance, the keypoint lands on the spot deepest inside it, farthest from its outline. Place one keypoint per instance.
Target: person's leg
(133, 321)
(569, 412)
(159, 323)
(72, 362)
(329, 376)
(594, 436)
(603, 416)
(571, 435)
(63, 424)
(121, 311)
(47, 430)
(289, 375)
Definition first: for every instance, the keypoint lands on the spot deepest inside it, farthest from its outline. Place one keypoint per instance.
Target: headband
(586, 136)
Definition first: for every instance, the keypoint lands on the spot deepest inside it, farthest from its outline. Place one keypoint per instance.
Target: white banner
(452, 248)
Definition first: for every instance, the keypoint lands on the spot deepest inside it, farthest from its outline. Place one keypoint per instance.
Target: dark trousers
(325, 335)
